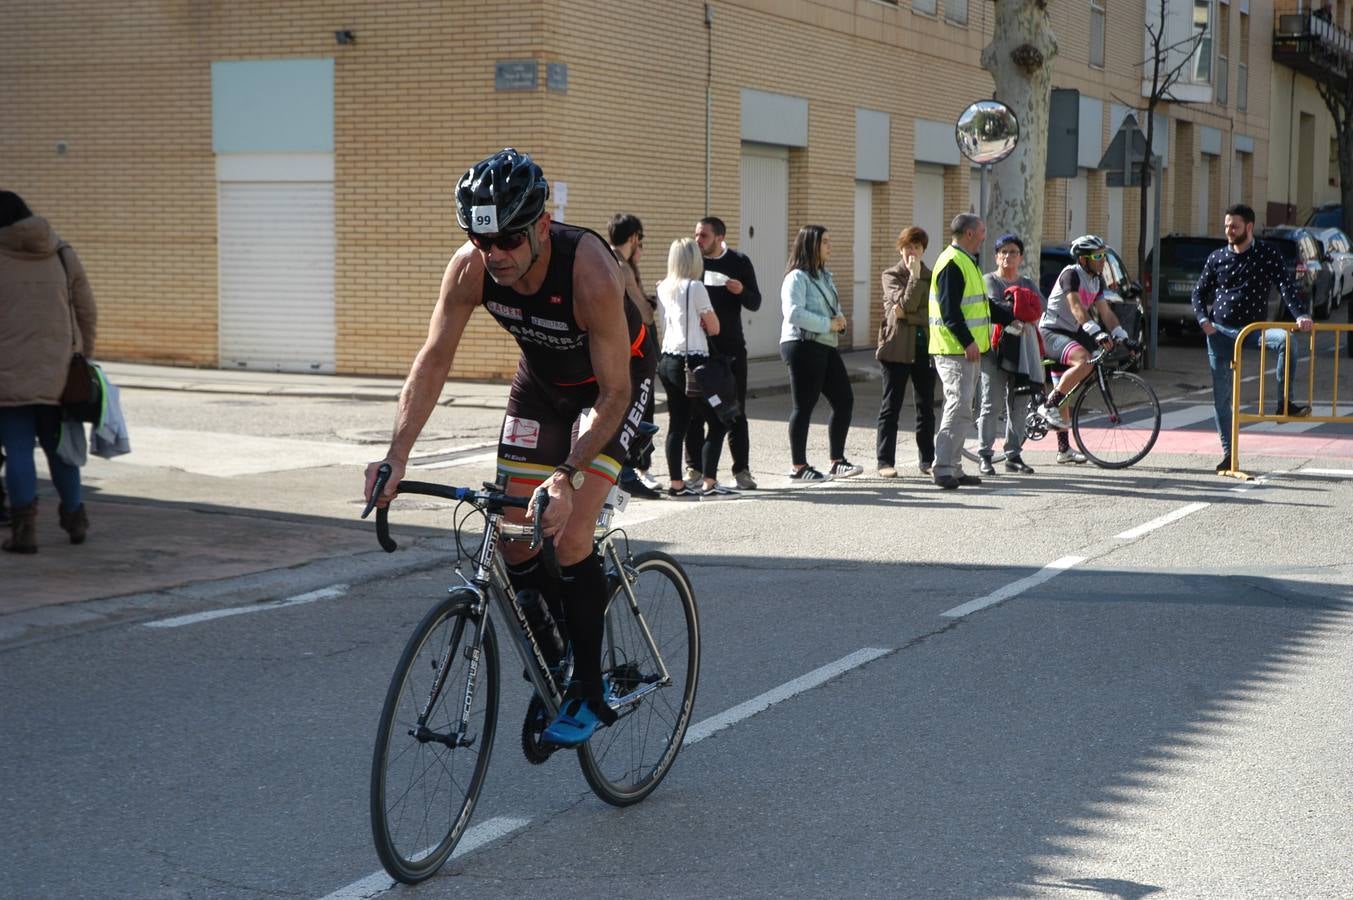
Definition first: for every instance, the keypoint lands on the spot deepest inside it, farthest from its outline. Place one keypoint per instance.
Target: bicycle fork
(458, 737)
(626, 577)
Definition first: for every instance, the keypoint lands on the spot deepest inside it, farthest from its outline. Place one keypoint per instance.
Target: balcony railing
(1310, 43)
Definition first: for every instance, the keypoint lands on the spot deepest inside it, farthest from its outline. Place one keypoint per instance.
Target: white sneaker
(694, 479)
(648, 480)
(845, 469)
(1052, 415)
(1071, 456)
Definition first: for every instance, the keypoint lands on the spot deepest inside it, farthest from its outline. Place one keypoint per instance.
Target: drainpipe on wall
(709, 92)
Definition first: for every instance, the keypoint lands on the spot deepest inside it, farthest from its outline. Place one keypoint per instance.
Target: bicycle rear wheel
(425, 781)
(1117, 424)
(625, 762)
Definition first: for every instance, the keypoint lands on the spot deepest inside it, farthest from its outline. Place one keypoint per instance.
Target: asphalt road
(1151, 698)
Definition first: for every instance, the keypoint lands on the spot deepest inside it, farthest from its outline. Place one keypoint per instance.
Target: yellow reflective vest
(976, 312)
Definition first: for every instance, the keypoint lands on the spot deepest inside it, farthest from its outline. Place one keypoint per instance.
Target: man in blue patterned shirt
(1232, 292)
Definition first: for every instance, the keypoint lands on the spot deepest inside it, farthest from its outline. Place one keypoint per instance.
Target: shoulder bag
(711, 378)
(82, 396)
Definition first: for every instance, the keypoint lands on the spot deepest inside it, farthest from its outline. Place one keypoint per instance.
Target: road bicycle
(1115, 414)
(439, 719)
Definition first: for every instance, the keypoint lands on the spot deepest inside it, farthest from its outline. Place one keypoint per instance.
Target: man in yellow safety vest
(960, 332)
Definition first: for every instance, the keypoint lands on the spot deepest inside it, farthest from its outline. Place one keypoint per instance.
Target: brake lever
(540, 499)
(378, 486)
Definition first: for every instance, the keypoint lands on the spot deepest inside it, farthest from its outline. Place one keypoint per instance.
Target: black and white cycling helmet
(506, 192)
(1087, 244)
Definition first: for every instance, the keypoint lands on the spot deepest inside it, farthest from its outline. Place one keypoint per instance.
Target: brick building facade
(135, 134)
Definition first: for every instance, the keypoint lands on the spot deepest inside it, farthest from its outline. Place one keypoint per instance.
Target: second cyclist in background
(1070, 335)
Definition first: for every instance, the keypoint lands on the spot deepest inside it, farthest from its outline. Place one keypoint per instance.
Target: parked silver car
(1338, 252)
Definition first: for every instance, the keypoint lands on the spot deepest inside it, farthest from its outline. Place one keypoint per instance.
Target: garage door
(276, 257)
(928, 208)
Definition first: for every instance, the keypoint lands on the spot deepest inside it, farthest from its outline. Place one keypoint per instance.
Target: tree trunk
(1019, 59)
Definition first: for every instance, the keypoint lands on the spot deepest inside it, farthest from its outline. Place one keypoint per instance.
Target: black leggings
(816, 370)
(680, 411)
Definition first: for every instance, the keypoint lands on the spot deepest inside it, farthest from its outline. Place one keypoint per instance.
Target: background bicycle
(1114, 413)
(439, 719)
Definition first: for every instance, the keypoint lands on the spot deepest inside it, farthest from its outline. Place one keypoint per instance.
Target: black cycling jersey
(553, 346)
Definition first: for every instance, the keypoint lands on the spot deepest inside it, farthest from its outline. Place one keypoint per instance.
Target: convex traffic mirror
(987, 132)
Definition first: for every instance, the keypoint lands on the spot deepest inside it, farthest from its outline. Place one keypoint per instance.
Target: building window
(1097, 33)
(1242, 87)
(924, 6)
(1202, 31)
(956, 11)
(1334, 162)
(1223, 72)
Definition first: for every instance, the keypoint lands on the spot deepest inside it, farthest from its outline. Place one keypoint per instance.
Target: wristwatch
(574, 475)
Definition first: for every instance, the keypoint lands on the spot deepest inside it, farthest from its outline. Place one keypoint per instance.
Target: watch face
(576, 479)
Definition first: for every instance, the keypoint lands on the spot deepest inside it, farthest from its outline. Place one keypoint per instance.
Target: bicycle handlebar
(490, 499)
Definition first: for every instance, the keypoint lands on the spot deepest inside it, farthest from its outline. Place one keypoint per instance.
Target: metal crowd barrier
(1239, 418)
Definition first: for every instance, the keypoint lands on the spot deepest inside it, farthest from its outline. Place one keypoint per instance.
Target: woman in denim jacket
(808, 338)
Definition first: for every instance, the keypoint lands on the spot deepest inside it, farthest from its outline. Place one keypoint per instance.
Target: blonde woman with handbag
(688, 318)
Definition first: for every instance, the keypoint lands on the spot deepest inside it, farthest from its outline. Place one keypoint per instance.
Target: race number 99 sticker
(484, 219)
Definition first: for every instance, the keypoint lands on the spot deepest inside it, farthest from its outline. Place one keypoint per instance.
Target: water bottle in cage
(543, 626)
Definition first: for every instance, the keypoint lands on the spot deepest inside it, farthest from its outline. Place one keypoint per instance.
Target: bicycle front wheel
(625, 762)
(1116, 424)
(427, 772)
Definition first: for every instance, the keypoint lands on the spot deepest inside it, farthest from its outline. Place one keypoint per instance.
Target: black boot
(76, 523)
(23, 528)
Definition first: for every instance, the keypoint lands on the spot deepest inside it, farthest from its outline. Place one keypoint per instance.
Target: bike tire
(626, 762)
(423, 793)
(1116, 424)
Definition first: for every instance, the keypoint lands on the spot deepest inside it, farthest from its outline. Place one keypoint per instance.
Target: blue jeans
(20, 426)
(1220, 351)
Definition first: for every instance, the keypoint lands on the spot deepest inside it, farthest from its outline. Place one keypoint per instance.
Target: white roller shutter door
(764, 237)
(276, 257)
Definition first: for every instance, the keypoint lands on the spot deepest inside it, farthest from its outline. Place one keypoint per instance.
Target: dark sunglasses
(508, 240)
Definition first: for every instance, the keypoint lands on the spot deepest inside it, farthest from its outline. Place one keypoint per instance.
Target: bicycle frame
(488, 583)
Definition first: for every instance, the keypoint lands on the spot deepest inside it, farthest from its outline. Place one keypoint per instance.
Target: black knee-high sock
(584, 591)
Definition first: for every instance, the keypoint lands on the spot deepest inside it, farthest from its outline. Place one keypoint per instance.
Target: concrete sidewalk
(764, 377)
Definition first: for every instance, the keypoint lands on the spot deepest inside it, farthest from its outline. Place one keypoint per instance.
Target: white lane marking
(1166, 519)
(1047, 573)
(337, 590)
(473, 839)
(1338, 473)
(701, 730)
(1183, 418)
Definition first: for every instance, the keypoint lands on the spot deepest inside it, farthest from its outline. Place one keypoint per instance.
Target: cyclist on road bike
(1070, 335)
(560, 292)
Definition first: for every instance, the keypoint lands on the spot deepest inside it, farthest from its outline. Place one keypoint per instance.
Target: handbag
(719, 388)
(82, 395)
(710, 378)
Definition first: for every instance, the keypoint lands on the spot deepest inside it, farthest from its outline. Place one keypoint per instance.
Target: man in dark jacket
(731, 282)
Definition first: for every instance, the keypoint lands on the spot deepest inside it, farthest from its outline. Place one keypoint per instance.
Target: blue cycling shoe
(577, 721)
